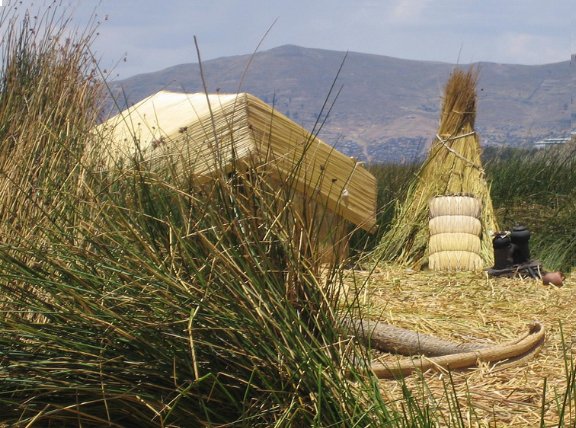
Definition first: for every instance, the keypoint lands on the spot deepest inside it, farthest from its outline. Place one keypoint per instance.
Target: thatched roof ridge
(212, 132)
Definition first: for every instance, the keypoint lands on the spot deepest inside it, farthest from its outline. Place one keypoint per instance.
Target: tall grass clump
(393, 183)
(536, 188)
(137, 298)
(48, 90)
(175, 309)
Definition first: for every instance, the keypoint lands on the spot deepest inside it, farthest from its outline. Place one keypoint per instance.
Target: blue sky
(155, 34)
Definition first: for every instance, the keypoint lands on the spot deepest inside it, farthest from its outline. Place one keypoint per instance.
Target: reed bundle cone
(453, 167)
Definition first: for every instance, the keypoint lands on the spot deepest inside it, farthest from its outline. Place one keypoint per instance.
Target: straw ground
(470, 307)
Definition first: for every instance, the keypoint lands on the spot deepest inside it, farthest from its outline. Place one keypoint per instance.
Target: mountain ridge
(381, 108)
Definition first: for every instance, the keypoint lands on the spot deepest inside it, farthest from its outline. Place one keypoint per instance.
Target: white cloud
(408, 11)
(532, 49)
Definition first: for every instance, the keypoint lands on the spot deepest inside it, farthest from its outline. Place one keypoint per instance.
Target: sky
(141, 36)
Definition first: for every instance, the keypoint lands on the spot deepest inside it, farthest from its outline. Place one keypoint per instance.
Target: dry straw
(454, 242)
(455, 229)
(454, 224)
(468, 307)
(455, 205)
(454, 260)
(453, 167)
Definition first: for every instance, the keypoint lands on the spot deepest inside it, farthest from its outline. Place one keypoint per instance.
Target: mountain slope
(387, 108)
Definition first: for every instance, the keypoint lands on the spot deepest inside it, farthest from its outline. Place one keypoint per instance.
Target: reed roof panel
(211, 132)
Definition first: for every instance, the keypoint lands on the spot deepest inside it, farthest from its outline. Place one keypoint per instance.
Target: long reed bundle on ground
(453, 167)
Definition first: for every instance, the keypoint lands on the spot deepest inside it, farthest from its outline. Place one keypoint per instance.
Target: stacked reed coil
(455, 231)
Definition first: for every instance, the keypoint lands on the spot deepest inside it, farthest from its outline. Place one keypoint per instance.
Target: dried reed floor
(472, 307)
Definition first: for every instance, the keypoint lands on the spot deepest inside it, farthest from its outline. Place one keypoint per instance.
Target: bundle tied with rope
(453, 168)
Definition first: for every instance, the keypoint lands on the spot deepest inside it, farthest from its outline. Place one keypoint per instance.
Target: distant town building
(549, 142)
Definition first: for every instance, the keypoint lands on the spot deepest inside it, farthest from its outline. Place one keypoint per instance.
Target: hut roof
(212, 132)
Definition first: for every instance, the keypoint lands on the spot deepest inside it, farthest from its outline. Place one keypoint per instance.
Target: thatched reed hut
(234, 135)
(451, 180)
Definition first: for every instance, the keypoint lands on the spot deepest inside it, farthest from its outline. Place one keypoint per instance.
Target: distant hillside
(387, 109)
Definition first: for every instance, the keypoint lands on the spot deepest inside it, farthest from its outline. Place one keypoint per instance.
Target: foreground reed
(138, 298)
(171, 312)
